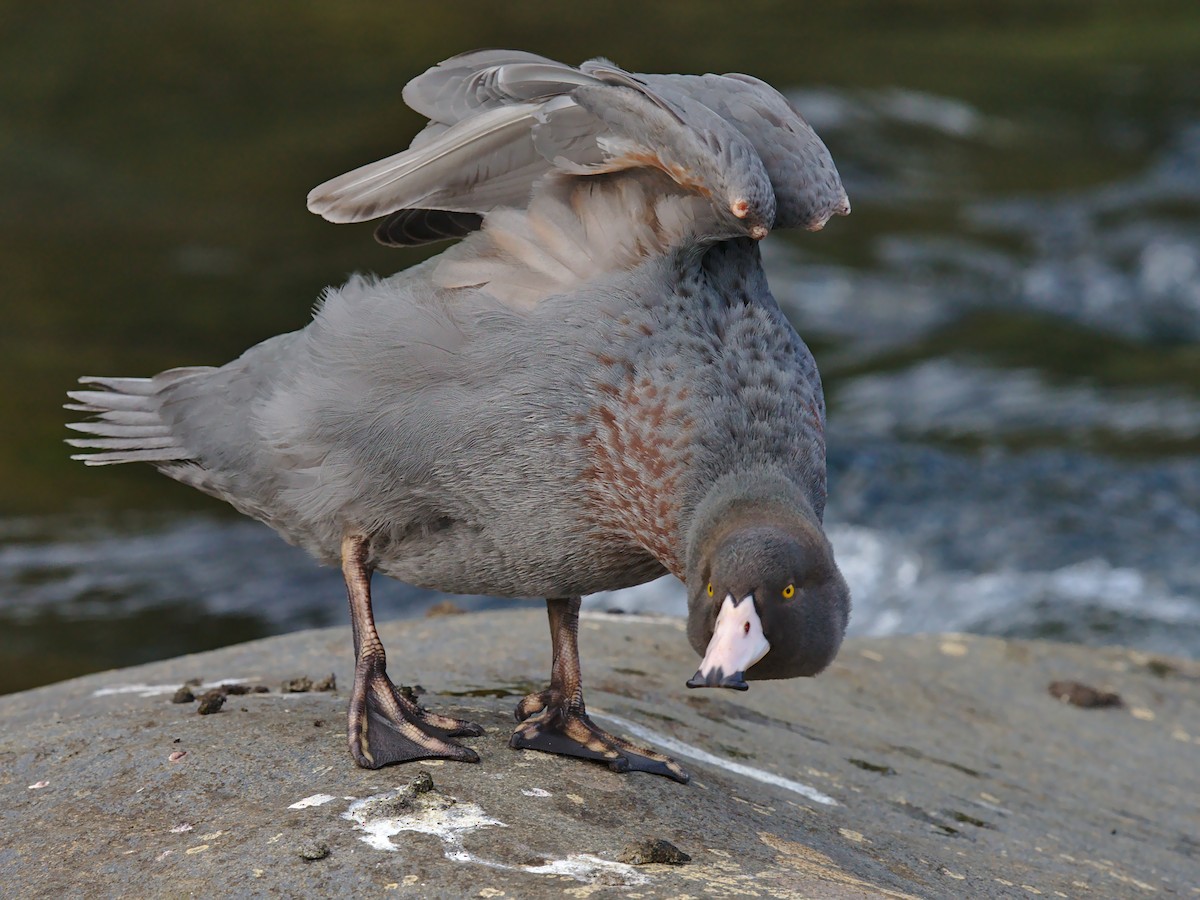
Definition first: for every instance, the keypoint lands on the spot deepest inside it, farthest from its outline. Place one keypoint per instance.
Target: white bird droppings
(585, 867)
(382, 817)
(314, 800)
(447, 820)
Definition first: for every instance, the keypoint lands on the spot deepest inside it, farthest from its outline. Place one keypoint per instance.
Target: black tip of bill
(717, 678)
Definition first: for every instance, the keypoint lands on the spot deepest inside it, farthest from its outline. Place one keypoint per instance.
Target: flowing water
(1008, 324)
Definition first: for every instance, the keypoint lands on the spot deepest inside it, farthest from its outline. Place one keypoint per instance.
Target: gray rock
(952, 772)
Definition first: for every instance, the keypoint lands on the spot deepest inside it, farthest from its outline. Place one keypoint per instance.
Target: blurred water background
(1008, 323)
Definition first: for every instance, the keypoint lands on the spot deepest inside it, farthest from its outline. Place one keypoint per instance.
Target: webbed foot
(385, 727)
(568, 731)
(556, 721)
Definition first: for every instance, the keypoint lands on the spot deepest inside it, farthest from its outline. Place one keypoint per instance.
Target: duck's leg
(556, 721)
(385, 726)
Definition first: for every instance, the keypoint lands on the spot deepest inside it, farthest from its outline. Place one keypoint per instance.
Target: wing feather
(439, 93)
(443, 169)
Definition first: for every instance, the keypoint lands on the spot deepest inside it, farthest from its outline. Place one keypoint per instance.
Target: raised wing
(808, 189)
(500, 121)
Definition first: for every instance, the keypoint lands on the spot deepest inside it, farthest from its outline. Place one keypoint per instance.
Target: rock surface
(930, 766)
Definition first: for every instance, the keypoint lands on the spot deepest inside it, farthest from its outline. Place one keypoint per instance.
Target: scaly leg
(556, 721)
(384, 726)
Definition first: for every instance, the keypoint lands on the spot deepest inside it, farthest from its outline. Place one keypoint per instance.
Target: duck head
(765, 597)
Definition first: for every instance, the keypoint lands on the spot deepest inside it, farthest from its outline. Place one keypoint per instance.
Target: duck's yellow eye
(710, 589)
(789, 592)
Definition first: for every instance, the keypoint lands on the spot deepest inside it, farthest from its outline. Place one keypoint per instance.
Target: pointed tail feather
(126, 423)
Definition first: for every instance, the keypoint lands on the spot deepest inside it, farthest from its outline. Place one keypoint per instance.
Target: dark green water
(1007, 323)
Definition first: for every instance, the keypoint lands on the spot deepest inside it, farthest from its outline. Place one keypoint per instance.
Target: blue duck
(592, 388)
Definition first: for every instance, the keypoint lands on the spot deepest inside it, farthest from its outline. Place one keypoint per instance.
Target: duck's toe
(533, 704)
(569, 732)
(448, 726)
